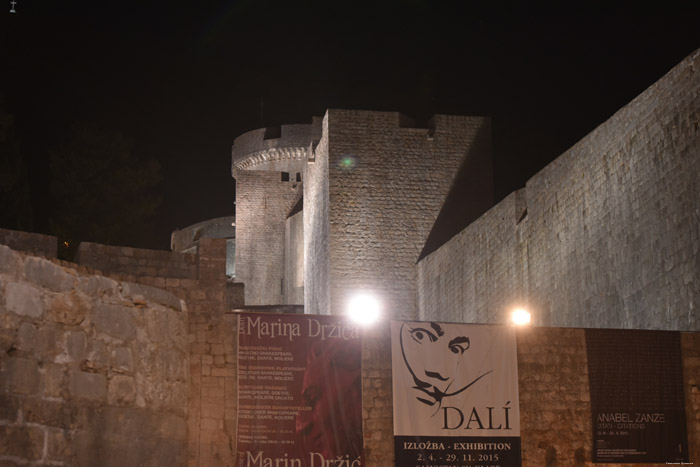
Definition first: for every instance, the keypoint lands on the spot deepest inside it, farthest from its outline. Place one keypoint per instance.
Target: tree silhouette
(102, 192)
(15, 202)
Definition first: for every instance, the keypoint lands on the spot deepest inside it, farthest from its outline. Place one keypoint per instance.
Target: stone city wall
(93, 371)
(209, 334)
(30, 243)
(555, 412)
(316, 228)
(136, 261)
(386, 186)
(604, 236)
(263, 203)
(213, 396)
(185, 240)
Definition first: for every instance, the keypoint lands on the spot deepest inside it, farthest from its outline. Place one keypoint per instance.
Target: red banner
(299, 391)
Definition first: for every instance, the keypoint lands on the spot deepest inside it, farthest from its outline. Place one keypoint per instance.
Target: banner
(455, 395)
(637, 402)
(299, 391)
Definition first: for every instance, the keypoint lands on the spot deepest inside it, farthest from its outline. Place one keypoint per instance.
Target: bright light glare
(520, 317)
(363, 309)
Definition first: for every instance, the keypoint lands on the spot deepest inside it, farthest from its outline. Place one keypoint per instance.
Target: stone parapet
(137, 261)
(254, 149)
(27, 242)
(185, 240)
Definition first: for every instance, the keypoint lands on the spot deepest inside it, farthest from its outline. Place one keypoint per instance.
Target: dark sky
(183, 79)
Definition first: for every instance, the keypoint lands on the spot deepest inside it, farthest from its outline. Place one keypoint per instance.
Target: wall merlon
(252, 150)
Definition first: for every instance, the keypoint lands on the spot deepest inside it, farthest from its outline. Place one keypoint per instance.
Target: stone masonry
(267, 165)
(372, 195)
(605, 236)
(212, 356)
(30, 243)
(137, 261)
(92, 371)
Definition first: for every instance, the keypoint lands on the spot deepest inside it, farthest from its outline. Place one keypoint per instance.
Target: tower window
(285, 176)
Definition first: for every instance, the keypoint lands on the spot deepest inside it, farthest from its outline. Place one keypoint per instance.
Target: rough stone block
(157, 324)
(152, 294)
(122, 390)
(115, 320)
(52, 413)
(8, 408)
(54, 380)
(21, 376)
(47, 345)
(98, 356)
(69, 308)
(172, 427)
(48, 275)
(22, 441)
(26, 337)
(75, 345)
(58, 447)
(94, 285)
(122, 360)
(10, 261)
(23, 299)
(91, 386)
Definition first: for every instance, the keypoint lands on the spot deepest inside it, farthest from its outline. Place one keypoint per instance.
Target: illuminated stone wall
(604, 236)
(375, 188)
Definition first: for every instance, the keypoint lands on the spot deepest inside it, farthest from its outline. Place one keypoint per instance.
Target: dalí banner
(299, 391)
(455, 395)
(637, 402)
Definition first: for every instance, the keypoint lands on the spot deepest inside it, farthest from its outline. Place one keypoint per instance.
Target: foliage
(102, 192)
(15, 201)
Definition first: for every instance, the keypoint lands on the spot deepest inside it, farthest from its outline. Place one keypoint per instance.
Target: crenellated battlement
(256, 148)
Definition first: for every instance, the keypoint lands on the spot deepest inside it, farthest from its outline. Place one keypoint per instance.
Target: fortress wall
(317, 229)
(263, 203)
(611, 235)
(555, 412)
(385, 198)
(211, 332)
(92, 371)
(136, 261)
(31, 243)
(294, 260)
(213, 398)
(453, 287)
(186, 239)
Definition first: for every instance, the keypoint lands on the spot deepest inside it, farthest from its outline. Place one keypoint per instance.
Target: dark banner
(299, 391)
(455, 390)
(637, 402)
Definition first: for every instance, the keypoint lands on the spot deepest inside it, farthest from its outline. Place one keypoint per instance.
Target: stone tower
(267, 164)
(373, 186)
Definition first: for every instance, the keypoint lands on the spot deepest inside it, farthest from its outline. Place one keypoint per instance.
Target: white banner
(455, 381)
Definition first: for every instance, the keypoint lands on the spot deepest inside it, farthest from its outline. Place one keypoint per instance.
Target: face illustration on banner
(438, 359)
(331, 422)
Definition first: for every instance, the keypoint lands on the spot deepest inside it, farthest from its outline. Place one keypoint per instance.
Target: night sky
(183, 79)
